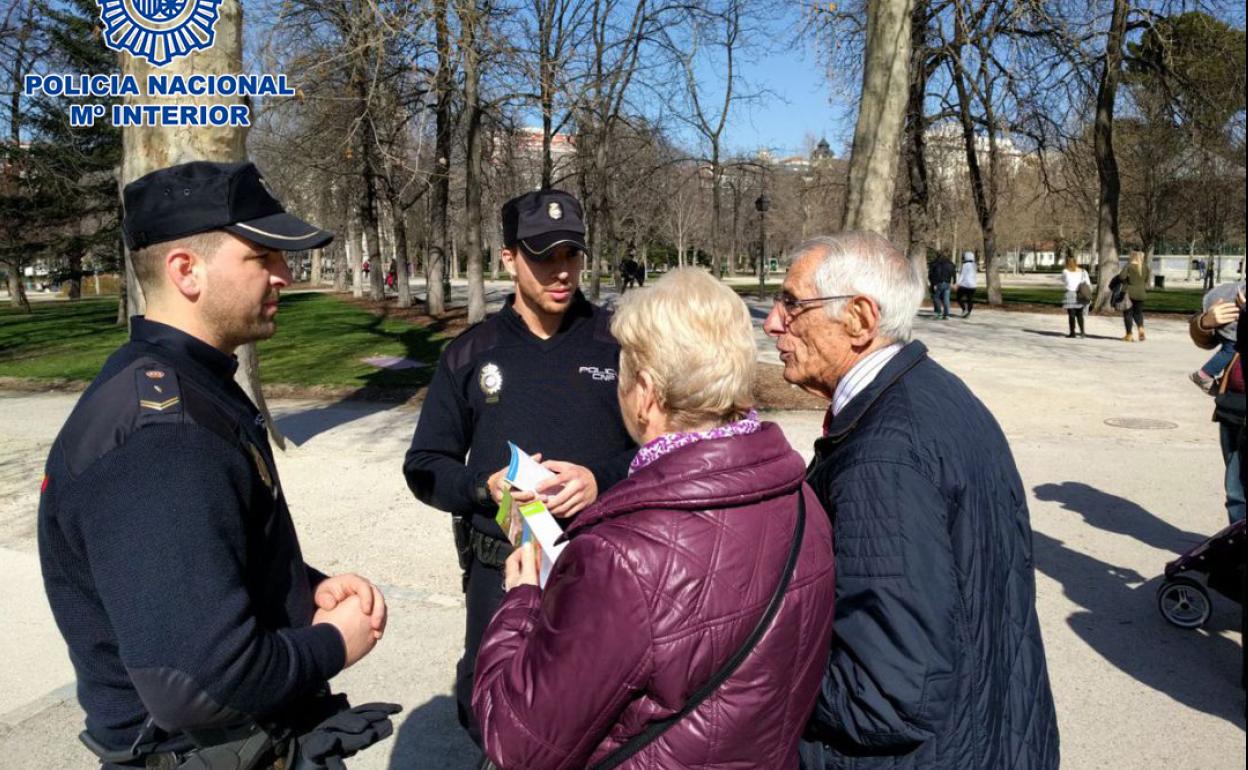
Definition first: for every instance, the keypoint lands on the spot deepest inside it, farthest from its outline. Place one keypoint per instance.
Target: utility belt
(473, 545)
(245, 747)
(251, 746)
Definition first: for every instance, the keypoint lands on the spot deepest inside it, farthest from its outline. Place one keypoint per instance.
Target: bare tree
(881, 115)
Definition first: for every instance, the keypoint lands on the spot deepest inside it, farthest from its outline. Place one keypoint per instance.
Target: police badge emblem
(491, 382)
(158, 30)
(554, 211)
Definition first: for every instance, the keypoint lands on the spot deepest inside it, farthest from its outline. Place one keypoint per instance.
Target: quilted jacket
(937, 660)
(663, 579)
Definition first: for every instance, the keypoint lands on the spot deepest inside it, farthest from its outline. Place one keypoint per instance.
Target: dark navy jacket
(169, 556)
(499, 382)
(937, 660)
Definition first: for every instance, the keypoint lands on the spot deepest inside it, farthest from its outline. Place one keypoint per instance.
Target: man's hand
(353, 623)
(332, 591)
(522, 566)
(498, 481)
(572, 488)
(1219, 314)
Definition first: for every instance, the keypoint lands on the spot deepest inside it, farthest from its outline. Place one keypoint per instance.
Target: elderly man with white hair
(937, 660)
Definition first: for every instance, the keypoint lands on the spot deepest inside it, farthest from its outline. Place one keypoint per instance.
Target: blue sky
(797, 100)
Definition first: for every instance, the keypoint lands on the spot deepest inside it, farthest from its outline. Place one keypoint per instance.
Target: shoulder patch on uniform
(473, 341)
(157, 389)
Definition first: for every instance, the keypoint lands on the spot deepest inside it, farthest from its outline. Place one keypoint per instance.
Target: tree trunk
(402, 278)
(354, 258)
(440, 200)
(75, 274)
(470, 21)
(148, 148)
(318, 261)
(717, 205)
(984, 195)
(918, 218)
(1106, 163)
(17, 290)
(881, 113)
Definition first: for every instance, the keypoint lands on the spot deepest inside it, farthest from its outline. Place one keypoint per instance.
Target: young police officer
(169, 556)
(540, 373)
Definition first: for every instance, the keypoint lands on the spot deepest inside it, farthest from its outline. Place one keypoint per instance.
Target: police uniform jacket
(499, 382)
(168, 553)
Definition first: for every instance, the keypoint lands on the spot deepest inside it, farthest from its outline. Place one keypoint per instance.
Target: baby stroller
(1217, 563)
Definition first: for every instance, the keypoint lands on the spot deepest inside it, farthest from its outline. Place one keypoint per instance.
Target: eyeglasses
(793, 307)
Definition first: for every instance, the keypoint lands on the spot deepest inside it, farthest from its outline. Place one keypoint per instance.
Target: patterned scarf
(670, 442)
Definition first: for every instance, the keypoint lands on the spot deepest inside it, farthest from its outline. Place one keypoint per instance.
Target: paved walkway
(1109, 507)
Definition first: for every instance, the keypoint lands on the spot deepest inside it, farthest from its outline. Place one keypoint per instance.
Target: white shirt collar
(861, 375)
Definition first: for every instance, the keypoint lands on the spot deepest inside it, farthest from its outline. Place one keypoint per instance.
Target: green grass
(1168, 301)
(320, 341)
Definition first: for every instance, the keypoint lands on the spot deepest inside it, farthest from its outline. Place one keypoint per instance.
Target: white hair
(694, 336)
(867, 264)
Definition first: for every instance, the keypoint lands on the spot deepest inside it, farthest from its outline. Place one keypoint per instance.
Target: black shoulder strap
(655, 729)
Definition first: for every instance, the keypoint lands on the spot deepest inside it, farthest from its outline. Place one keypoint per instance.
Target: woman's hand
(522, 566)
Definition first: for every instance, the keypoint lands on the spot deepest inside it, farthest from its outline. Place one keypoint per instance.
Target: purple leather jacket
(663, 579)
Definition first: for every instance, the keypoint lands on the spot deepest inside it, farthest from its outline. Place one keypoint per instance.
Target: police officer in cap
(540, 373)
(199, 636)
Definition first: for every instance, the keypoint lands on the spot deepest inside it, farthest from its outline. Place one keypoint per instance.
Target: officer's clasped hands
(334, 589)
(355, 626)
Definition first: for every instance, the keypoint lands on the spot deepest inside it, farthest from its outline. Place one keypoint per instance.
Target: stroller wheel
(1184, 602)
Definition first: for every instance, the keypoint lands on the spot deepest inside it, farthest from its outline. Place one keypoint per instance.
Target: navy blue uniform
(168, 553)
(499, 382)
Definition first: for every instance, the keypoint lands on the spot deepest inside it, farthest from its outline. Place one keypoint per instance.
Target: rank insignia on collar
(491, 382)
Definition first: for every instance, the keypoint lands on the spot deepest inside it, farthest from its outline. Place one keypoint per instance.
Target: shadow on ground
(1119, 618)
(430, 736)
(1047, 333)
(1119, 515)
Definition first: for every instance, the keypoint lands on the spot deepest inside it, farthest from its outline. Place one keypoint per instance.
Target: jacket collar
(712, 473)
(579, 309)
(905, 360)
(183, 345)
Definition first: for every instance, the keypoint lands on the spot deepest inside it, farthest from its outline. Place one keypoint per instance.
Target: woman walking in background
(1073, 278)
(1136, 276)
(966, 283)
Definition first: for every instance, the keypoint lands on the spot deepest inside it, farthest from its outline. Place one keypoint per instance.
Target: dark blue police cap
(191, 198)
(539, 221)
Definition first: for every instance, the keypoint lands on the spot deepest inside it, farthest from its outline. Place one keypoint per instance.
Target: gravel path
(1110, 506)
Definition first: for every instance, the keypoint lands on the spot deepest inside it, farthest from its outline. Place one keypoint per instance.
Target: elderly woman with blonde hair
(688, 620)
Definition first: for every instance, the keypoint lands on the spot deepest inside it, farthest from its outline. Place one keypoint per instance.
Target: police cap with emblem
(539, 221)
(197, 197)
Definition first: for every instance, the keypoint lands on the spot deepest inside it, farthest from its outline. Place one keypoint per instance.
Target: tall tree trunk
(17, 290)
(354, 256)
(1106, 163)
(984, 190)
(918, 218)
(75, 273)
(717, 206)
(471, 22)
(440, 200)
(399, 229)
(881, 114)
(148, 148)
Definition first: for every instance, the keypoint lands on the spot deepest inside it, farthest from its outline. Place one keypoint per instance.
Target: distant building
(946, 153)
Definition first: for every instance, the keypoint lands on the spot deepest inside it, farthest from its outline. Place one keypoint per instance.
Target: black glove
(343, 734)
